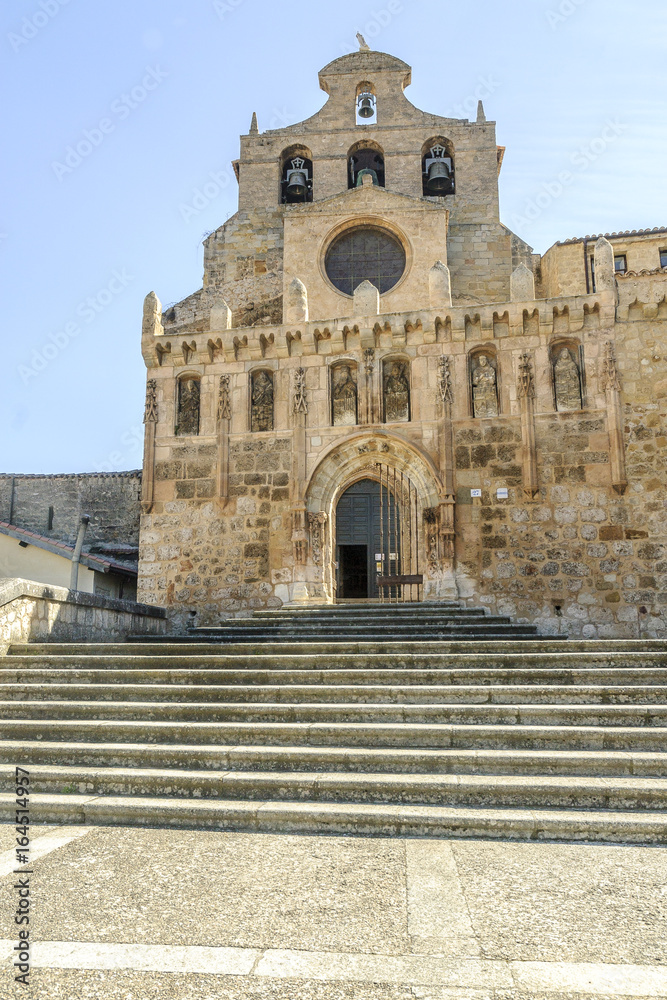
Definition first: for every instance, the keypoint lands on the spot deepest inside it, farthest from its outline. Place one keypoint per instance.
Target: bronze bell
(366, 108)
(366, 172)
(297, 185)
(439, 178)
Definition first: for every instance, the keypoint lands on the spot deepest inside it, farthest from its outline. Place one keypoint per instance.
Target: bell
(366, 172)
(366, 109)
(439, 178)
(297, 185)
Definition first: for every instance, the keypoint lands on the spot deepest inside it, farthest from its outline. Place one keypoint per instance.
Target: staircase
(414, 720)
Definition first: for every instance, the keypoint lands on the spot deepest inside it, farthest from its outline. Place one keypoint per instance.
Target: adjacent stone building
(381, 392)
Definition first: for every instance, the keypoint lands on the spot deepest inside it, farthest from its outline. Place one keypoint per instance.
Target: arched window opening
(395, 390)
(367, 109)
(365, 253)
(567, 369)
(344, 395)
(296, 184)
(484, 384)
(188, 406)
(365, 159)
(438, 168)
(261, 401)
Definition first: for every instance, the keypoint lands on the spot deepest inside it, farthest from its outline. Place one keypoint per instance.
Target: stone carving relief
(300, 402)
(316, 523)
(344, 396)
(567, 380)
(261, 408)
(525, 388)
(189, 399)
(609, 379)
(445, 380)
(150, 413)
(484, 387)
(224, 403)
(369, 360)
(396, 391)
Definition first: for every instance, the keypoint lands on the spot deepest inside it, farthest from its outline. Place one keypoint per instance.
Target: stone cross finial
(363, 44)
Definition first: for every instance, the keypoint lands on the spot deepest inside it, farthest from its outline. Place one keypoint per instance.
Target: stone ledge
(15, 589)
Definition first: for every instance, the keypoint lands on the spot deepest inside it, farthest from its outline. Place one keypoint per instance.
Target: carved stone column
(447, 530)
(369, 369)
(526, 396)
(300, 411)
(612, 389)
(224, 415)
(150, 421)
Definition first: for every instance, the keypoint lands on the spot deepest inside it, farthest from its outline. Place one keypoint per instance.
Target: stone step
(498, 735)
(168, 647)
(525, 763)
(132, 690)
(623, 826)
(347, 633)
(420, 789)
(362, 712)
(616, 681)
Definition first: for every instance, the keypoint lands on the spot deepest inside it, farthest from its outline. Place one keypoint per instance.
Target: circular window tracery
(367, 253)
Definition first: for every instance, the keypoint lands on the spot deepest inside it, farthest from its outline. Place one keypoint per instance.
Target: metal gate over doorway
(377, 539)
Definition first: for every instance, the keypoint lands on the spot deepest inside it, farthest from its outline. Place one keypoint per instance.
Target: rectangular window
(593, 288)
(620, 263)
(663, 258)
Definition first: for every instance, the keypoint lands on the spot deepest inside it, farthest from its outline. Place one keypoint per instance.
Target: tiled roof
(73, 475)
(613, 236)
(58, 548)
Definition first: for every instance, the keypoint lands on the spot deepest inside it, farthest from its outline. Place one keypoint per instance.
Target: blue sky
(161, 89)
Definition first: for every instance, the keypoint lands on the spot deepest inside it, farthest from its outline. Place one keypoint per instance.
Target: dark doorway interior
(353, 570)
(360, 527)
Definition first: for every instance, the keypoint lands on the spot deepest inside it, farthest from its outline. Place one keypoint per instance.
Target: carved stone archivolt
(567, 380)
(316, 524)
(261, 406)
(344, 396)
(484, 386)
(189, 402)
(396, 391)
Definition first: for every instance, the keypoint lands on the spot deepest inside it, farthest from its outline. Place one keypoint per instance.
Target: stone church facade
(380, 391)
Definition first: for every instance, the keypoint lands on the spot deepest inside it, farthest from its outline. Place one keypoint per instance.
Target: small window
(593, 288)
(620, 263)
(50, 519)
(663, 258)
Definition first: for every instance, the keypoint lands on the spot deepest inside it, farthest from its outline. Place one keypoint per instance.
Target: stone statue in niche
(567, 381)
(261, 418)
(484, 387)
(344, 396)
(396, 390)
(189, 397)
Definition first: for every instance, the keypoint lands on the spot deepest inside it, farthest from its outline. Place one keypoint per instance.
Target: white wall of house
(33, 563)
